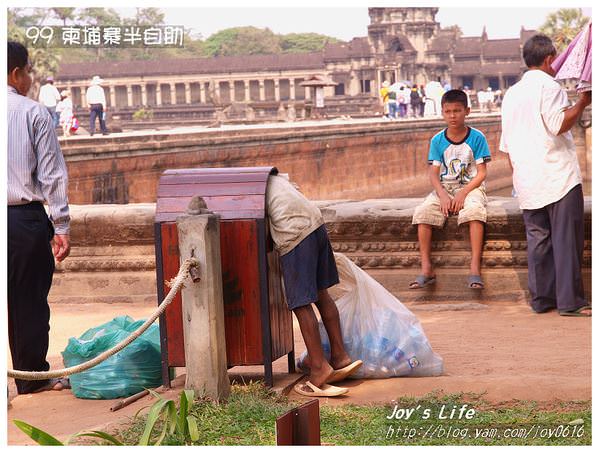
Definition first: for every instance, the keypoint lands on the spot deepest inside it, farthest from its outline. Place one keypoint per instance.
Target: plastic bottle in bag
(370, 353)
(396, 362)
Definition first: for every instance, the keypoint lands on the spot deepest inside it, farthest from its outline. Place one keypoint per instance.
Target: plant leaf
(190, 395)
(172, 417)
(100, 434)
(164, 428)
(154, 393)
(183, 408)
(192, 424)
(153, 416)
(39, 436)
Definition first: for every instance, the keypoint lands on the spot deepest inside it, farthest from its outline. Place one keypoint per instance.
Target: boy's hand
(458, 201)
(446, 203)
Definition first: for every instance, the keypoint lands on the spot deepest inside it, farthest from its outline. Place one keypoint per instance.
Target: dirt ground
(502, 350)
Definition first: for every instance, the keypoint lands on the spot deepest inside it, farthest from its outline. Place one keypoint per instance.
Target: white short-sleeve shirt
(545, 164)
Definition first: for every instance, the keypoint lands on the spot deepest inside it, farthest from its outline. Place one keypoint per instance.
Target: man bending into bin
(308, 267)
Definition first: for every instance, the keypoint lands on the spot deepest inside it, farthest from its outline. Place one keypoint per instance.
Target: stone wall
(112, 258)
(329, 160)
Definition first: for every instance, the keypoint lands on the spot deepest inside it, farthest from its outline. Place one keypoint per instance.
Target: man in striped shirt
(36, 173)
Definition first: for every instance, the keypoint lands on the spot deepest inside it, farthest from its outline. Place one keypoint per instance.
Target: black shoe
(104, 133)
(91, 134)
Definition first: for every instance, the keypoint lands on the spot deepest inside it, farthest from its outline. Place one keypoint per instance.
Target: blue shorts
(308, 268)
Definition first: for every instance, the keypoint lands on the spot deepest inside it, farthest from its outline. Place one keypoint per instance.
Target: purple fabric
(561, 58)
(584, 71)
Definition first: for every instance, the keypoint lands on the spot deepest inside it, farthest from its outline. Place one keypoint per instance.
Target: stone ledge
(112, 255)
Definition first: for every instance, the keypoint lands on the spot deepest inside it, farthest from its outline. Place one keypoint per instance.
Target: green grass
(248, 418)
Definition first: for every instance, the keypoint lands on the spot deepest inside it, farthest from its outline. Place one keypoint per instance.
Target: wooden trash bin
(258, 324)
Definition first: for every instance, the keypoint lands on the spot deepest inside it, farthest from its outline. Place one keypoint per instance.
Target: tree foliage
(45, 61)
(305, 42)
(563, 25)
(252, 41)
(64, 14)
(242, 41)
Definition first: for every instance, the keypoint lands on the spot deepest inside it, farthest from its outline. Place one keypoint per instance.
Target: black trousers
(96, 111)
(555, 239)
(30, 269)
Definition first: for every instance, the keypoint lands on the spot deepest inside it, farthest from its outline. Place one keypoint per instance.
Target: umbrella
(576, 61)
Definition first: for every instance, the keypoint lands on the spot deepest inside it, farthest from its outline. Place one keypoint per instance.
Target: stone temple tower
(400, 38)
(418, 25)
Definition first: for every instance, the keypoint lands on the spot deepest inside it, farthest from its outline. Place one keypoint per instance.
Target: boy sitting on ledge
(457, 159)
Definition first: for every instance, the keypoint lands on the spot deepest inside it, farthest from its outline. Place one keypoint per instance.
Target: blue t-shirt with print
(458, 160)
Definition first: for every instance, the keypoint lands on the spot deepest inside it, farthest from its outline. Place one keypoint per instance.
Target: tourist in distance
(384, 93)
(49, 97)
(65, 109)
(96, 99)
(536, 118)
(457, 171)
(308, 268)
(403, 98)
(415, 100)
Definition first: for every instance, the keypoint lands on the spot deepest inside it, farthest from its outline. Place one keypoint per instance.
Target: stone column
(277, 91)
(144, 95)
(202, 92)
(292, 89)
(262, 91)
(202, 303)
(129, 95)
(246, 85)
(112, 96)
(83, 90)
(158, 94)
(187, 93)
(231, 91)
(173, 93)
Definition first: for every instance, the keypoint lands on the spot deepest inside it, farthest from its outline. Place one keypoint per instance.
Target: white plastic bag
(378, 329)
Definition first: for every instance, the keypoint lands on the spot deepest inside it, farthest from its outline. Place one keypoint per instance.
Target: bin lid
(234, 192)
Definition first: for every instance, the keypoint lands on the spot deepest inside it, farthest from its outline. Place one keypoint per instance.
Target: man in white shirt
(49, 97)
(536, 119)
(96, 99)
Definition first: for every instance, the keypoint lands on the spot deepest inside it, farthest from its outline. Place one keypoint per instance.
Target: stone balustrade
(112, 258)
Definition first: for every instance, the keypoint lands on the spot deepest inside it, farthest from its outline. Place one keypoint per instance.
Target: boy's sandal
(578, 312)
(475, 282)
(421, 281)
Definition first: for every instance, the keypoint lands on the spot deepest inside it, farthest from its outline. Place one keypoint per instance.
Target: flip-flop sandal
(343, 373)
(51, 385)
(578, 312)
(475, 282)
(325, 391)
(421, 281)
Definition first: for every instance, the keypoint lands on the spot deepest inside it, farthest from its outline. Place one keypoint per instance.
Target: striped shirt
(36, 166)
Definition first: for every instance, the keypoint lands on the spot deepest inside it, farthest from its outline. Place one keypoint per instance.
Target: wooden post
(202, 303)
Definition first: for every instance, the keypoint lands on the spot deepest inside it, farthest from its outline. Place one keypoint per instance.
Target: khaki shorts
(429, 212)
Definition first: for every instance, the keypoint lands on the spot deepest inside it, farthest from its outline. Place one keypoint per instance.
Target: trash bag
(378, 329)
(129, 371)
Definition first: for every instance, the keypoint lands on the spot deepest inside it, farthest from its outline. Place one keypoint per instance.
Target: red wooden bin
(258, 324)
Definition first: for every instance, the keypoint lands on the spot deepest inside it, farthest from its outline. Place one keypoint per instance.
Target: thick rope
(176, 286)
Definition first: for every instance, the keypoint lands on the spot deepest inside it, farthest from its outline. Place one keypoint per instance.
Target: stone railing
(112, 258)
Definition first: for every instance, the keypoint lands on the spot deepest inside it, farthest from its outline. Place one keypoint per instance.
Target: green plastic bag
(127, 372)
